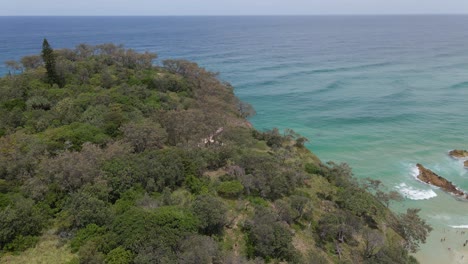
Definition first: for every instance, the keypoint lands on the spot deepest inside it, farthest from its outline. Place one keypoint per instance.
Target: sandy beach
(447, 245)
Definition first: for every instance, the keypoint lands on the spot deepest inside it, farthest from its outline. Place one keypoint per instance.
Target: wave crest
(415, 194)
(459, 226)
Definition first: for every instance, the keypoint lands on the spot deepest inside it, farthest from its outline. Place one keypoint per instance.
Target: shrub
(340, 226)
(230, 189)
(119, 256)
(269, 238)
(85, 209)
(4, 201)
(198, 249)
(259, 201)
(90, 254)
(196, 185)
(22, 218)
(212, 214)
(38, 102)
(21, 243)
(71, 170)
(139, 230)
(83, 235)
(14, 103)
(312, 168)
(121, 175)
(413, 228)
(144, 135)
(73, 136)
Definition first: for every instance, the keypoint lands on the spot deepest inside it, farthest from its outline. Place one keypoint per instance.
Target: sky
(228, 7)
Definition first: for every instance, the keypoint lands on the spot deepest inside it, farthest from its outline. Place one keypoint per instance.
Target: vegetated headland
(109, 158)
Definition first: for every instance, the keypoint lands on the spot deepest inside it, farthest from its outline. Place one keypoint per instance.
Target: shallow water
(380, 93)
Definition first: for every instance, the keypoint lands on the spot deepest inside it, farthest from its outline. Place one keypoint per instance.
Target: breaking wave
(415, 194)
(460, 226)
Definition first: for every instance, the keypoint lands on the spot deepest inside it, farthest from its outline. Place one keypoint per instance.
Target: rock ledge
(432, 178)
(457, 153)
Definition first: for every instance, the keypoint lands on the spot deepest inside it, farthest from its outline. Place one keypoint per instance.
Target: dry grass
(214, 175)
(47, 251)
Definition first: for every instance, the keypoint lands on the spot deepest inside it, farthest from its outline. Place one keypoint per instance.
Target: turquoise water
(380, 93)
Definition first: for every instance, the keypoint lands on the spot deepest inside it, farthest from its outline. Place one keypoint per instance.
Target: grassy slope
(49, 250)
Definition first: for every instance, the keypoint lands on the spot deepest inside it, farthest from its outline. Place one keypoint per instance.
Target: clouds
(230, 7)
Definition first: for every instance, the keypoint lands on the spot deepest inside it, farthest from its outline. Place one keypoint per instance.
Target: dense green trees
(131, 162)
(268, 237)
(18, 220)
(144, 135)
(212, 214)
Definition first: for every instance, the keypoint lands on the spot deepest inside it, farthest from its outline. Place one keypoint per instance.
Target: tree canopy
(129, 160)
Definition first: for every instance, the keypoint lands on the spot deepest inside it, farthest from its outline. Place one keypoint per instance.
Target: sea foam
(460, 226)
(415, 194)
(414, 171)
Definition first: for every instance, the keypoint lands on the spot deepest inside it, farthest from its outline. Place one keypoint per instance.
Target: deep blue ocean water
(381, 93)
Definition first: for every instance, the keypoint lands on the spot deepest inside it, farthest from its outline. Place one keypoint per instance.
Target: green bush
(38, 102)
(73, 136)
(359, 202)
(312, 168)
(212, 214)
(121, 175)
(83, 235)
(137, 229)
(21, 243)
(168, 83)
(119, 256)
(230, 189)
(85, 209)
(14, 103)
(255, 200)
(196, 185)
(89, 253)
(269, 238)
(5, 186)
(199, 249)
(22, 218)
(4, 201)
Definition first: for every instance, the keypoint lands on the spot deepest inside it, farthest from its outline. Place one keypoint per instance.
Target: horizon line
(249, 15)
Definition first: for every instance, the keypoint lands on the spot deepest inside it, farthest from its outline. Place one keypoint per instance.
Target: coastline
(449, 215)
(446, 245)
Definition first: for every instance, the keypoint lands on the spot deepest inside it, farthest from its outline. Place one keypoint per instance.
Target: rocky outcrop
(465, 164)
(432, 178)
(459, 154)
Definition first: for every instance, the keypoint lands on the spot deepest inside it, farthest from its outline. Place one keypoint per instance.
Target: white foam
(457, 158)
(414, 171)
(415, 194)
(460, 226)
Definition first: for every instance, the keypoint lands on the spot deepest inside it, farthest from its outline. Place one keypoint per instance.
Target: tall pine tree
(49, 59)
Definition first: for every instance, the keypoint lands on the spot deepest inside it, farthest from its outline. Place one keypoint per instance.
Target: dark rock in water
(456, 153)
(465, 164)
(432, 178)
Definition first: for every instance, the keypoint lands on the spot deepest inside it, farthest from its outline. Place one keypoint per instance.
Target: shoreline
(448, 241)
(449, 245)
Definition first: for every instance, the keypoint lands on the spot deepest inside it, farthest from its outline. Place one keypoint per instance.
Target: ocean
(381, 93)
